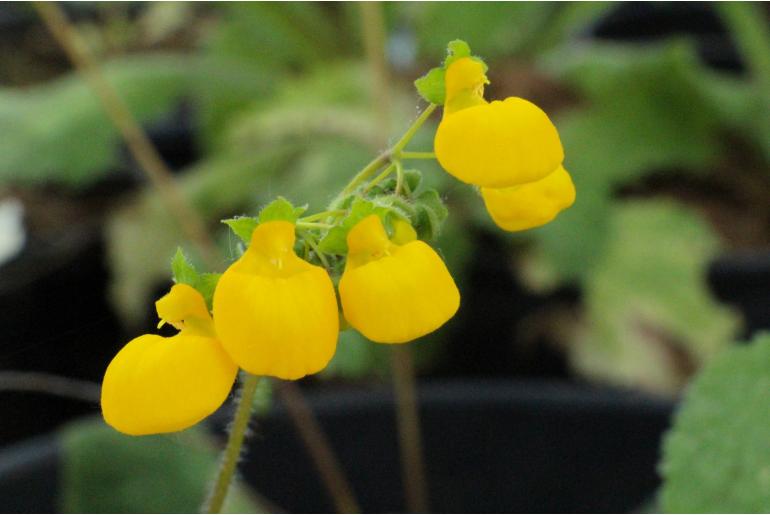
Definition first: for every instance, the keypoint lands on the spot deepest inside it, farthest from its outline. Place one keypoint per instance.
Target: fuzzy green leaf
(335, 241)
(280, 209)
(431, 86)
(716, 458)
(430, 215)
(242, 226)
(185, 273)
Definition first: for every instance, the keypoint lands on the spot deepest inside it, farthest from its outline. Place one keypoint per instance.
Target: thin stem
(234, 446)
(408, 420)
(374, 165)
(143, 151)
(320, 451)
(313, 225)
(385, 173)
(373, 29)
(40, 382)
(399, 177)
(136, 140)
(417, 155)
(331, 213)
(412, 130)
(314, 245)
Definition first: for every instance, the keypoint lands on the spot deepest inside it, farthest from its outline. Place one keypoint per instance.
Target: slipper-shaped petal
(160, 385)
(394, 293)
(498, 145)
(275, 313)
(530, 205)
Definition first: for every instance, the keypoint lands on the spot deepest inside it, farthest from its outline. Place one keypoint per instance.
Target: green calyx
(431, 86)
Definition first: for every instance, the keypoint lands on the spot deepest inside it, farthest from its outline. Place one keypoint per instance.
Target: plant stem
(399, 178)
(403, 370)
(41, 382)
(136, 140)
(320, 451)
(234, 446)
(151, 164)
(418, 155)
(322, 215)
(373, 29)
(748, 25)
(385, 173)
(408, 421)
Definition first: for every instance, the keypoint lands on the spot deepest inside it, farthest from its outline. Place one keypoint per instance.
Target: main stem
(232, 451)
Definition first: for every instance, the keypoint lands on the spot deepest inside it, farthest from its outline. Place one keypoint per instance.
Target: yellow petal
(532, 204)
(274, 313)
(498, 145)
(161, 385)
(464, 83)
(184, 306)
(394, 293)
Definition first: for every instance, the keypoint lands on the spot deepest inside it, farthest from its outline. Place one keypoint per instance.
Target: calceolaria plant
(365, 263)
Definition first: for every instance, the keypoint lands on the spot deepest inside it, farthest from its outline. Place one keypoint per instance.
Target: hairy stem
(234, 446)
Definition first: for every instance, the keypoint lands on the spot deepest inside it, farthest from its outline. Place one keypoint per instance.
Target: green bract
(431, 85)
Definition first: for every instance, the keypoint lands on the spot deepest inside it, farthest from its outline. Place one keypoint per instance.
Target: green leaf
(185, 273)
(716, 458)
(242, 226)
(431, 86)
(412, 179)
(335, 241)
(281, 209)
(431, 214)
(104, 471)
(651, 319)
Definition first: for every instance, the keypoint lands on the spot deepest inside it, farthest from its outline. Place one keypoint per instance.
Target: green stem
(323, 214)
(395, 151)
(313, 225)
(399, 177)
(385, 173)
(314, 245)
(418, 155)
(234, 446)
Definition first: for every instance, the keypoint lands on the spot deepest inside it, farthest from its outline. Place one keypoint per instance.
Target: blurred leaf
(715, 458)
(431, 213)
(431, 86)
(651, 318)
(58, 132)
(104, 471)
(281, 209)
(141, 236)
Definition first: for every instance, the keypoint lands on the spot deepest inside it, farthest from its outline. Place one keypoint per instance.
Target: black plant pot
(489, 447)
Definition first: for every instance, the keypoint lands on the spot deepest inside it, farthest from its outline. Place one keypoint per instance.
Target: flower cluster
(364, 263)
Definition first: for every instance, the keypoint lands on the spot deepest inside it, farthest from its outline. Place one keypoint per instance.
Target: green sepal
(431, 86)
(412, 179)
(430, 214)
(281, 209)
(184, 272)
(335, 241)
(242, 226)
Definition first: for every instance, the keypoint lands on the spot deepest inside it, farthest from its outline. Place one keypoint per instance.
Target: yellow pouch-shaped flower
(275, 313)
(160, 385)
(532, 204)
(394, 292)
(498, 144)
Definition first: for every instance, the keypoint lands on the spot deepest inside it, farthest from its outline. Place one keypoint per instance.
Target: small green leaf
(281, 209)
(431, 86)
(182, 270)
(185, 273)
(242, 226)
(716, 456)
(335, 241)
(430, 215)
(412, 179)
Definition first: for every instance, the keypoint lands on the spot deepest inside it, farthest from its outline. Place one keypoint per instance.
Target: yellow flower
(394, 291)
(160, 385)
(276, 314)
(532, 204)
(498, 144)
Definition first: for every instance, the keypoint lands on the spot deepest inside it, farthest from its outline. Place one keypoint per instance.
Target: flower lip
(183, 307)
